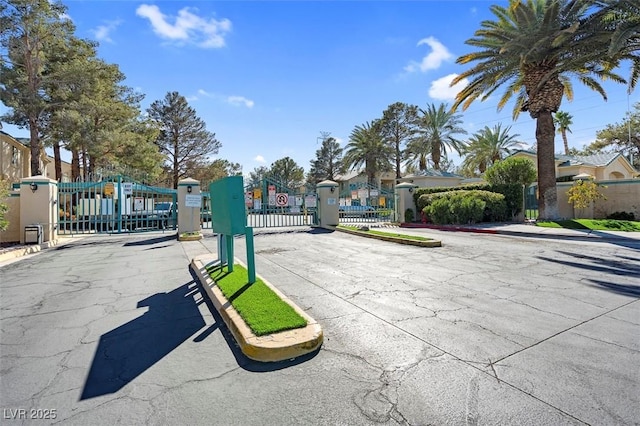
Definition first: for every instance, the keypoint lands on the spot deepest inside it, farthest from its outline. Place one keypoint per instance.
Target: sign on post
(193, 200)
(127, 188)
(282, 199)
(108, 188)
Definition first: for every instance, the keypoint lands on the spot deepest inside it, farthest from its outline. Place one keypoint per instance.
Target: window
(14, 156)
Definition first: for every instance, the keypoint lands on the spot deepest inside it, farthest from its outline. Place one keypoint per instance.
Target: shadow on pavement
(127, 351)
(610, 266)
(623, 289)
(243, 361)
(150, 241)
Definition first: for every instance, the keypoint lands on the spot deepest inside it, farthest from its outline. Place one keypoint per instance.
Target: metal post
(251, 262)
(119, 203)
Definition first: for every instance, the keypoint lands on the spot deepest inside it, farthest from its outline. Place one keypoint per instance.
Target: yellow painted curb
(189, 237)
(430, 243)
(273, 347)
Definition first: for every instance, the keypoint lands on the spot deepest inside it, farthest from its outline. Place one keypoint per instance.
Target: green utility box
(228, 214)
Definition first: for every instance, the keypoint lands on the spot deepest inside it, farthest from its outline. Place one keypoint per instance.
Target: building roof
(433, 173)
(601, 159)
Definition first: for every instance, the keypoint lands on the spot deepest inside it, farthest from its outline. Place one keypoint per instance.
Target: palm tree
(436, 128)
(487, 146)
(533, 48)
(562, 121)
(367, 148)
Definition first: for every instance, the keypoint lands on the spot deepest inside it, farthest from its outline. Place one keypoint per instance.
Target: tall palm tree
(367, 148)
(533, 48)
(488, 146)
(436, 131)
(562, 121)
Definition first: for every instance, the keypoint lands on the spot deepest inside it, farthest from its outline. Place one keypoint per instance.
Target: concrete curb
(25, 250)
(431, 243)
(270, 348)
(578, 235)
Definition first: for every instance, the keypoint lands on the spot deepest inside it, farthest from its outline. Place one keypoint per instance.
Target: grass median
(259, 306)
(593, 224)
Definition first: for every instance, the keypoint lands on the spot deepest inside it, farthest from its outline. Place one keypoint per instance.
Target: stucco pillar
(328, 201)
(188, 212)
(39, 205)
(404, 200)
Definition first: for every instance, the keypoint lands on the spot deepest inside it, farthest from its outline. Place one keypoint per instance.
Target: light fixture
(189, 189)
(410, 190)
(333, 189)
(33, 186)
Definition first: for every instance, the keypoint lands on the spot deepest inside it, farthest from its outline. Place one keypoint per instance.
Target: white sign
(331, 201)
(295, 209)
(310, 200)
(272, 190)
(282, 199)
(362, 193)
(257, 203)
(272, 199)
(191, 200)
(127, 188)
(373, 193)
(138, 204)
(298, 200)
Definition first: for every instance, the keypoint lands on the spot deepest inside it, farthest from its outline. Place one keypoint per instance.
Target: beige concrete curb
(25, 250)
(274, 347)
(430, 243)
(197, 237)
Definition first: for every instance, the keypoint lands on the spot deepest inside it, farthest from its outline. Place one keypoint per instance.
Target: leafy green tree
(30, 31)
(214, 170)
(398, 126)
(562, 120)
(4, 193)
(488, 146)
(257, 176)
(532, 49)
(287, 172)
(367, 148)
(184, 138)
(437, 128)
(511, 170)
(328, 162)
(621, 137)
(583, 193)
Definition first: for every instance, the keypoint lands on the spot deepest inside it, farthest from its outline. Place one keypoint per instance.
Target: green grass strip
(386, 234)
(261, 308)
(593, 224)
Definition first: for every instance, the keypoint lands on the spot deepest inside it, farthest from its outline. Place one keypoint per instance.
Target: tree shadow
(623, 289)
(243, 361)
(127, 351)
(608, 266)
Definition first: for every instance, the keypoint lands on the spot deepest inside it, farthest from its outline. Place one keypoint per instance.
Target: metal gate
(531, 202)
(116, 204)
(271, 204)
(364, 203)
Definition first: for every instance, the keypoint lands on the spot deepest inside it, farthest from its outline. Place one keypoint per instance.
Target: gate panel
(531, 202)
(274, 205)
(364, 203)
(116, 204)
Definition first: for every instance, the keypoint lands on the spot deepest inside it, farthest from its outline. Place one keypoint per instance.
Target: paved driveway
(485, 330)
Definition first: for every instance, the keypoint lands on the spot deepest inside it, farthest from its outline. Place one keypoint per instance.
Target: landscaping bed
(390, 236)
(593, 224)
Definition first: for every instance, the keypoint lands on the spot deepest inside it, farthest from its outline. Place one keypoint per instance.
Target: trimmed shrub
(512, 195)
(464, 207)
(408, 215)
(439, 211)
(622, 216)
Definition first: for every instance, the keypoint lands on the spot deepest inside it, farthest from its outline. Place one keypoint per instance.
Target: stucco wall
(12, 234)
(621, 195)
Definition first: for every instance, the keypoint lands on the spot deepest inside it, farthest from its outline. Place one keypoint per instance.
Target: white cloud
(260, 159)
(187, 27)
(441, 88)
(439, 53)
(239, 101)
(205, 93)
(103, 32)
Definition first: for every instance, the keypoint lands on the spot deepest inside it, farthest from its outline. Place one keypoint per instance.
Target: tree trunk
(34, 147)
(398, 166)
(545, 132)
(57, 160)
(75, 164)
(435, 155)
(84, 165)
(566, 143)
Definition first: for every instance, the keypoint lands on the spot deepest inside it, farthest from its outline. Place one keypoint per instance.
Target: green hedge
(512, 194)
(464, 206)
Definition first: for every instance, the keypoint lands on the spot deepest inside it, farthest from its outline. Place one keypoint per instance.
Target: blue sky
(267, 77)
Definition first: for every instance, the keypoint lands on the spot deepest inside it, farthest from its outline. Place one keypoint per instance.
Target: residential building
(15, 160)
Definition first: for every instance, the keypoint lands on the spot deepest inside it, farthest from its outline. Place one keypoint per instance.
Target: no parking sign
(282, 199)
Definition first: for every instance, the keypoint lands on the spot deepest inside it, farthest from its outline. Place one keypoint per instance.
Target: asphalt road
(484, 330)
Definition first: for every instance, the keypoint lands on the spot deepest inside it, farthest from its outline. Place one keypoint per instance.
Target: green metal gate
(531, 202)
(113, 205)
(271, 204)
(364, 203)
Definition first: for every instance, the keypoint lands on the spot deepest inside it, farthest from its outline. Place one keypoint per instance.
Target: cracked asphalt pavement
(484, 330)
